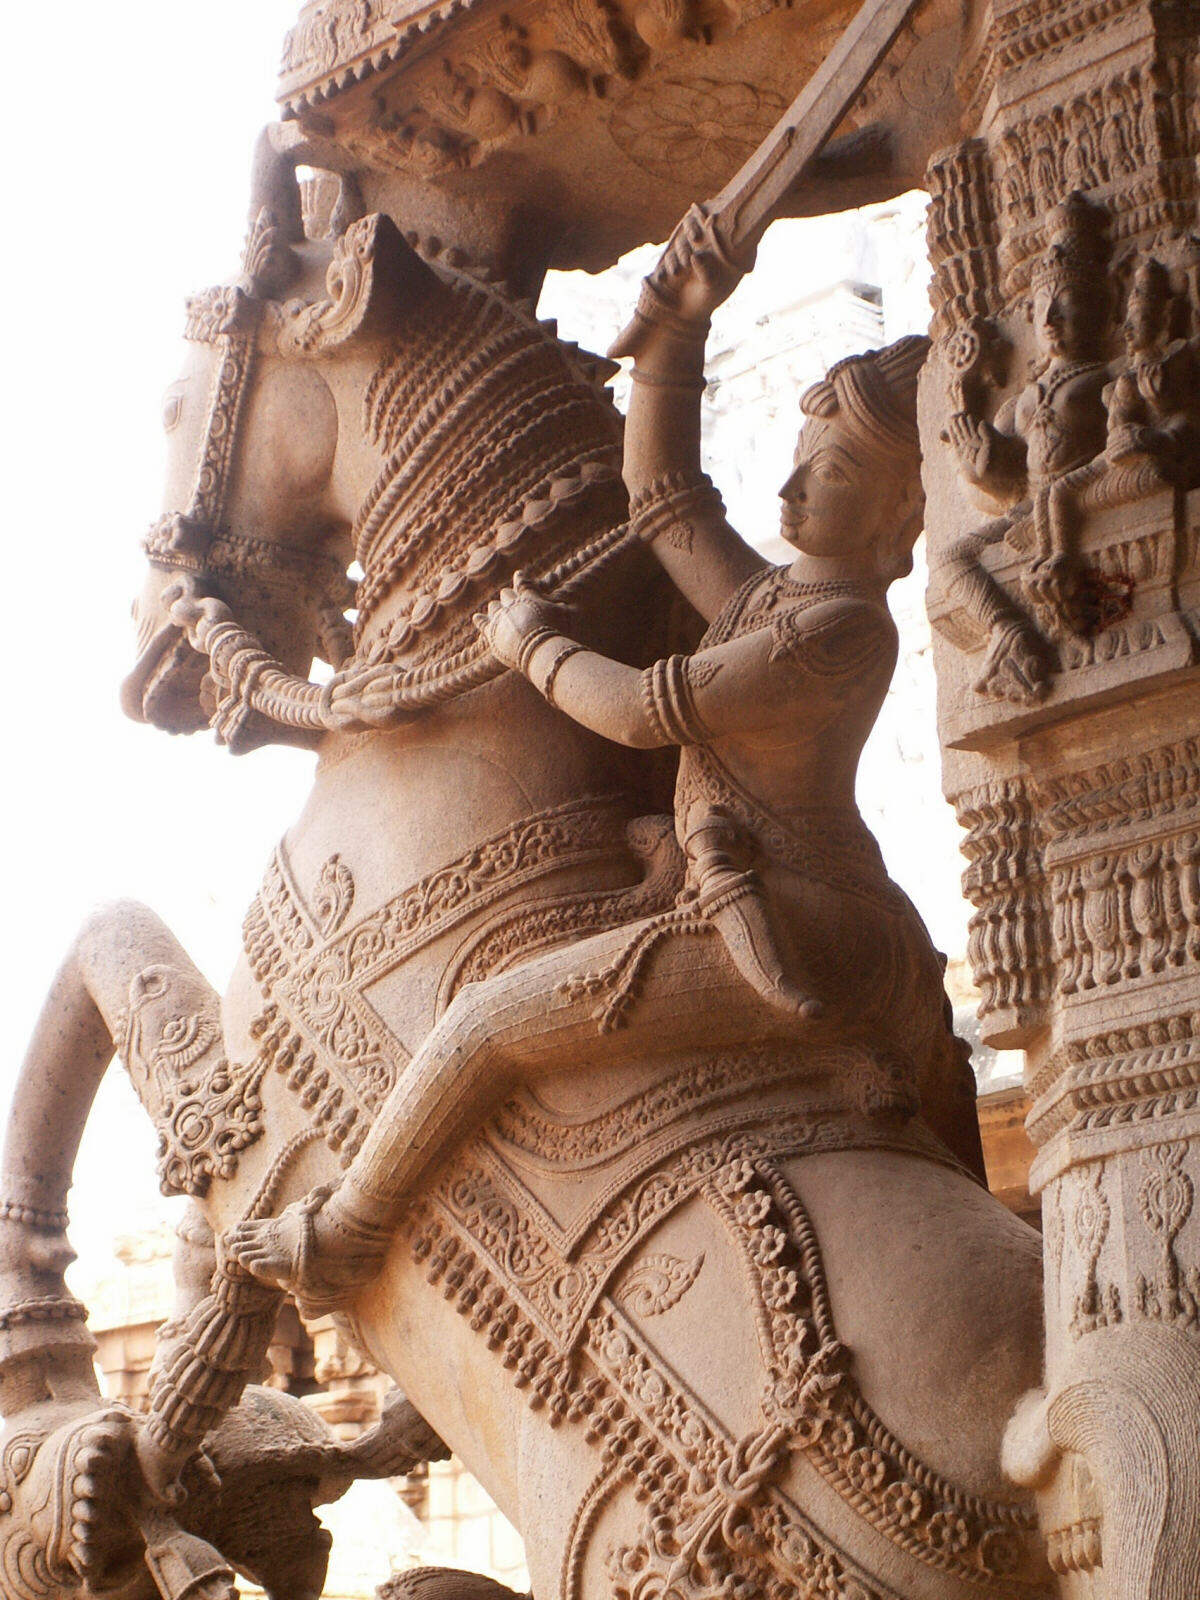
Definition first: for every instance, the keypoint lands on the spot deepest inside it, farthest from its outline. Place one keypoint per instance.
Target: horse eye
(172, 411)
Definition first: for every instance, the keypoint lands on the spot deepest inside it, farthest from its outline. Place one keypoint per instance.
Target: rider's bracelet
(654, 380)
(671, 715)
(669, 501)
(567, 649)
(655, 309)
(529, 644)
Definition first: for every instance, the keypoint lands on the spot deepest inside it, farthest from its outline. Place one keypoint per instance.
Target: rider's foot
(317, 1250)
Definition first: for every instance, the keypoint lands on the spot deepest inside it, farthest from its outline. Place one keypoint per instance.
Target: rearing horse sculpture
(643, 1303)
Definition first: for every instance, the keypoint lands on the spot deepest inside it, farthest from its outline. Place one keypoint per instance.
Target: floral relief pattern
(719, 1522)
(694, 126)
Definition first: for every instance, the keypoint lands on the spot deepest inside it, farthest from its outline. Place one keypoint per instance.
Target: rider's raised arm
(673, 504)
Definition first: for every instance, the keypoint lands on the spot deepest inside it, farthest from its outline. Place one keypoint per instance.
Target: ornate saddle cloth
(559, 1236)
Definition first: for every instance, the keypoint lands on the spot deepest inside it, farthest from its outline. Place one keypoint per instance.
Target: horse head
(397, 410)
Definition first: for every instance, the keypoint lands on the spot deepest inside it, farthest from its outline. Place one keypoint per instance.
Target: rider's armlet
(843, 642)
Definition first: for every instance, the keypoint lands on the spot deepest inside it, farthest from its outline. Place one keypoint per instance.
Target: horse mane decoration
(500, 445)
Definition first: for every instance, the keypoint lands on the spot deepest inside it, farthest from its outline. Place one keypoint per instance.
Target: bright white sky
(129, 129)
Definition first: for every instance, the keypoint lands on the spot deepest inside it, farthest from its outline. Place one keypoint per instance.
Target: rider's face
(836, 498)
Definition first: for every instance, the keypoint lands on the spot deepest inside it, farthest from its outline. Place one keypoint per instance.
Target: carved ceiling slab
(605, 117)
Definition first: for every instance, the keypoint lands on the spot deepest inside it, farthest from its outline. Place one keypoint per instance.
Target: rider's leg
(731, 897)
(551, 1013)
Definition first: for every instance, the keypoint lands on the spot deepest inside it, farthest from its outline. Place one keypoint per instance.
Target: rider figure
(816, 946)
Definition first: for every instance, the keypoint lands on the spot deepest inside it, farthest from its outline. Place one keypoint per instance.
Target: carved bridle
(374, 277)
(198, 541)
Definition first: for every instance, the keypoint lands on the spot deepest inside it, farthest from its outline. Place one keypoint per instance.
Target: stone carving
(443, 1583)
(1009, 941)
(692, 126)
(778, 661)
(522, 95)
(515, 1063)
(586, 1117)
(1074, 774)
(1152, 421)
(1055, 426)
(1166, 1198)
(74, 1524)
(206, 1109)
(658, 1283)
(963, 243)
(1090, 1222)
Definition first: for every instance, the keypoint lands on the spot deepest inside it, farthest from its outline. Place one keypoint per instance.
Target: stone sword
(739, 215)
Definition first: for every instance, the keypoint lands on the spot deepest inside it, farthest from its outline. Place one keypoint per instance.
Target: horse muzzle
(165, 685)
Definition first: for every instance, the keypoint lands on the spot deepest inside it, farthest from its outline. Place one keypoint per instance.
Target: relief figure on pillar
(1067, 648)
(1154, 403)
(1038, 442)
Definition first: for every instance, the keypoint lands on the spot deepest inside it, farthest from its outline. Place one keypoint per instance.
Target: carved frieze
(1083, 882)
(1009, 937)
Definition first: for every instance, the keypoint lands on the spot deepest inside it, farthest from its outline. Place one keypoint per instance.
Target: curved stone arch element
(1125, 1403)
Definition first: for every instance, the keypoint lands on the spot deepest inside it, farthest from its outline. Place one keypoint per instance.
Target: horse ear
(276, 221)
(374, 279)
(273, 188)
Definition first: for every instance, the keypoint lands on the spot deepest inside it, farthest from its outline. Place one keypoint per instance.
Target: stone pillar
(1061, 426)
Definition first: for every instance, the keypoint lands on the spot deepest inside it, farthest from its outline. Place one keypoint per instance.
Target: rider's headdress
(875, 396)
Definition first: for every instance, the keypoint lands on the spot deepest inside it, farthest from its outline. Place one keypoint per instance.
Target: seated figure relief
(1053, 427)
(1154, 403)
(1084, 434)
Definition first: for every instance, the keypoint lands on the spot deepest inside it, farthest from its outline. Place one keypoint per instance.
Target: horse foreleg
(126, 984)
